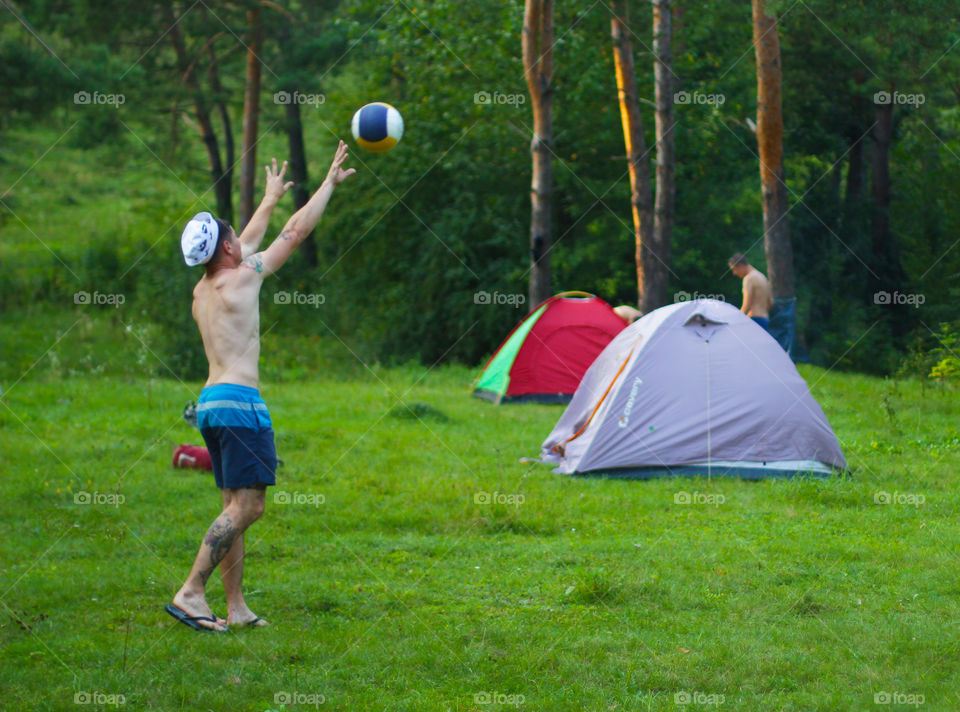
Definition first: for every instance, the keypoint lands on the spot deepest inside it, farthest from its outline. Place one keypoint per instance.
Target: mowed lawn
(408, 560)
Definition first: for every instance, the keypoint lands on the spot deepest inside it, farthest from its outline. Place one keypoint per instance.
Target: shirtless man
(233, 419)
(757, 296)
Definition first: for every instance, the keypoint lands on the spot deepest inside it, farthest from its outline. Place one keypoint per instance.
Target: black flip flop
(253, 623)
(191, 621)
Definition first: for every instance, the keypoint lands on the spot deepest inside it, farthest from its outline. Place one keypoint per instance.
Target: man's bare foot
(195, 605)
(245, 618)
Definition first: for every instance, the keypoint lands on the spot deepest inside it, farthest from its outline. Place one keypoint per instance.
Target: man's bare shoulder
(225, 282)
(243, 276)
(252, 265)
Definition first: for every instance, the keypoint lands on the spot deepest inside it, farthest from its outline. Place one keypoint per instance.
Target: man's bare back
(757, 295)
(226, 308)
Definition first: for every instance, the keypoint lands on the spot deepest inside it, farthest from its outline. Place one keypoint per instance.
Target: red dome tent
(546, 355)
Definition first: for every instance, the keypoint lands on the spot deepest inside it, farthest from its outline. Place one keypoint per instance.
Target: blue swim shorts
(237, 429)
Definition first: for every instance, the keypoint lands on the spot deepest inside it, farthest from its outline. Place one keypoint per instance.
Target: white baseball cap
(199, 239)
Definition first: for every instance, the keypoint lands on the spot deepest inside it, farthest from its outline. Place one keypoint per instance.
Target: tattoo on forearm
(220, 537)
(285, 236)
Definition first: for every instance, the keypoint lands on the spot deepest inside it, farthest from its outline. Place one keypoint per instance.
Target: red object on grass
(194, 456)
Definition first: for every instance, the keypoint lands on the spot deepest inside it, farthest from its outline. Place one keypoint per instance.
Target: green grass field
(392, 585)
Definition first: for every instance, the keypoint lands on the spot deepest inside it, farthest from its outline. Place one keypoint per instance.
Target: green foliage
(837, 57)
(947, 353)
(409, 243)
(33, 82)
(164, 298)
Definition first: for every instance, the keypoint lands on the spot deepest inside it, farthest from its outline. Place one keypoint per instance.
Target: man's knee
(256, 506)
(248, 504)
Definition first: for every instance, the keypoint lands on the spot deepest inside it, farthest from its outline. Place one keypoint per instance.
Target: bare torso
(226, 308)
(757, 295)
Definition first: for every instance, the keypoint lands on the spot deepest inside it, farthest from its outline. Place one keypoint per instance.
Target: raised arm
(253, 233)
(303, 221)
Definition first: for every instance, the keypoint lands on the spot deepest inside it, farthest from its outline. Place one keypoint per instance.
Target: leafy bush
(947, 367)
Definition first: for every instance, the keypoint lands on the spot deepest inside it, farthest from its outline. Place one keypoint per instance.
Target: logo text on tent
(683, 497)
(634, 389)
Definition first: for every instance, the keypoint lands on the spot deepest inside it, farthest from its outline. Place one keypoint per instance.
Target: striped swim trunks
(237, 429)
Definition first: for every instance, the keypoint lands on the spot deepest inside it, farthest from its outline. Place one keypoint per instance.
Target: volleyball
(377, 127)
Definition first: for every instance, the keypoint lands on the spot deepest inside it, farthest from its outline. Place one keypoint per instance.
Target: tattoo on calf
(220, 537)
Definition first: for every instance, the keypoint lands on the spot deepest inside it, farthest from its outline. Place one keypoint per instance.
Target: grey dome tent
(694, 388)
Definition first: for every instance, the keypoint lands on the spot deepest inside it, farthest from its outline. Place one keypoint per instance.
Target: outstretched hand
(336, 174)
(275, 185)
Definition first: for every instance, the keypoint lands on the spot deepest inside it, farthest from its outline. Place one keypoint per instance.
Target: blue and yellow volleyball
(377, 127)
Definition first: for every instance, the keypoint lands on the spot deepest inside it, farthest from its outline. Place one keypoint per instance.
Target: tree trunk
(538, 71)
(298, 174)
(203, 114)
(882, 134)
(251, 115)
(854, 189)
(659, 279)
(776, 230)
(888, 274)
(640, 196)
(224, 186)
(677, 34)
